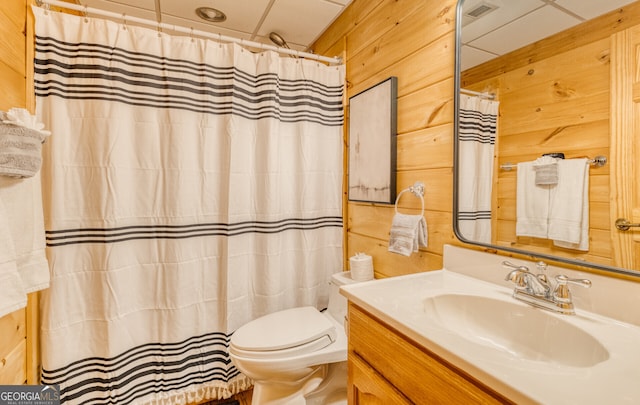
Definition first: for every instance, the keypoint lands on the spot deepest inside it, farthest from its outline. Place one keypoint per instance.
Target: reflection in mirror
(544, 154)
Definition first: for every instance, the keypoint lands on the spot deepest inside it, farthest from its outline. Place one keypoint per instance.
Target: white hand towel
(22, 200)
(532, 203)
(13, 296)
(569, 210)
(408, 232)
(546, 168)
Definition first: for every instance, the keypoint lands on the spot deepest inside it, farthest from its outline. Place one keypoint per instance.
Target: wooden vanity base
(385, 367)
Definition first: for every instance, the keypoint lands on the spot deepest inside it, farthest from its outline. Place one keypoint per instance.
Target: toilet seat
(291, 332)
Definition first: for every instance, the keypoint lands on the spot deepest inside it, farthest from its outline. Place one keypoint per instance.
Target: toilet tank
(337, 302)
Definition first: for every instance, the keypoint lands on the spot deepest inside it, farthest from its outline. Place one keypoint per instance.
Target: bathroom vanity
(457, 335)
(387, 367)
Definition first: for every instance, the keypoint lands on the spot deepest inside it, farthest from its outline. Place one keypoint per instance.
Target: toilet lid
(283, 330)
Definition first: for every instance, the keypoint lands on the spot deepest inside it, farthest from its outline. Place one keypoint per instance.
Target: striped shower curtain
(477, 135)
(189, 187)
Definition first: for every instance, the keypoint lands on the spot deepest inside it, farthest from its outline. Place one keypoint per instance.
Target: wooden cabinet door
(368, 387)
(385, 367)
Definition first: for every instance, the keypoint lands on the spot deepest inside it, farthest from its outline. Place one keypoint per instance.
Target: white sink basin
(530, 355)
(523, 332)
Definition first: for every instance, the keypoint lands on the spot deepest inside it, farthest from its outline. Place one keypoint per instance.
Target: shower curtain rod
(189, 31)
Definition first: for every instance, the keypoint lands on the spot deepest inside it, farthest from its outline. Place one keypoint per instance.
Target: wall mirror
(535, 77)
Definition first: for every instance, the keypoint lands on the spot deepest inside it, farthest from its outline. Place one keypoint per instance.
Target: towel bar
(417, 189)
(597, 161)
(481, 94)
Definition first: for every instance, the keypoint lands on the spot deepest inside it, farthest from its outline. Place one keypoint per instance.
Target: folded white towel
(532, 203)
(408, 232)
(13, 296)
(20, 151)
(21, 137)
(22, 201)
(23, 118)
(546, 168)
(569, 209)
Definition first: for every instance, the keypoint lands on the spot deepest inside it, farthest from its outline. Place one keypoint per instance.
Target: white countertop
(399, 302)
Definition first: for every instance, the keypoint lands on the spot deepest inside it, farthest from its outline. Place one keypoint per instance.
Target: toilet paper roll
(361, 267)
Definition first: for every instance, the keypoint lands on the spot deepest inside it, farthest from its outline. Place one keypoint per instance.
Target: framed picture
(372, 143)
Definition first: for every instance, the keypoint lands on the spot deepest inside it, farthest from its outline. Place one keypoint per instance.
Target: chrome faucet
(537, 290)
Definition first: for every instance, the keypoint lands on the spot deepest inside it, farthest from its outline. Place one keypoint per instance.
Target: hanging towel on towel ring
(408, 232)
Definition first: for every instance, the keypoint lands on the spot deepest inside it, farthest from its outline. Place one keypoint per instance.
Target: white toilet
(297, 356)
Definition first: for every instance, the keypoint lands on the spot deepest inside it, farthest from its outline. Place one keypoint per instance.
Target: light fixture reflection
(211, 14)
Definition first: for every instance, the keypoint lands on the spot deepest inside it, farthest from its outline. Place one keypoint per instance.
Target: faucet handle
(582, 282)
(562, 293)
(510, 265)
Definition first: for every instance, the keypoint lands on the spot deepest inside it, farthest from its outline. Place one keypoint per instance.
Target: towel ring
(417, 189)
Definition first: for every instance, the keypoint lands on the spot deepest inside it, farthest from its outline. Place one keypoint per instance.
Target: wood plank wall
(18, 331)
(414, 41)
(558, 104)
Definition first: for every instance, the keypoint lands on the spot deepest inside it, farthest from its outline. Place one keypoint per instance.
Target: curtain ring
(86, 14)
(124, 21)
(191, 35)
(219, 40)
(159, 30)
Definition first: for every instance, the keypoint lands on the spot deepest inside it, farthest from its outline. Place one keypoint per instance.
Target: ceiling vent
(479, 10)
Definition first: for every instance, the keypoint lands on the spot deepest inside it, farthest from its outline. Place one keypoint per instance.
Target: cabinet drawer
(418, 374)
(368, 387)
